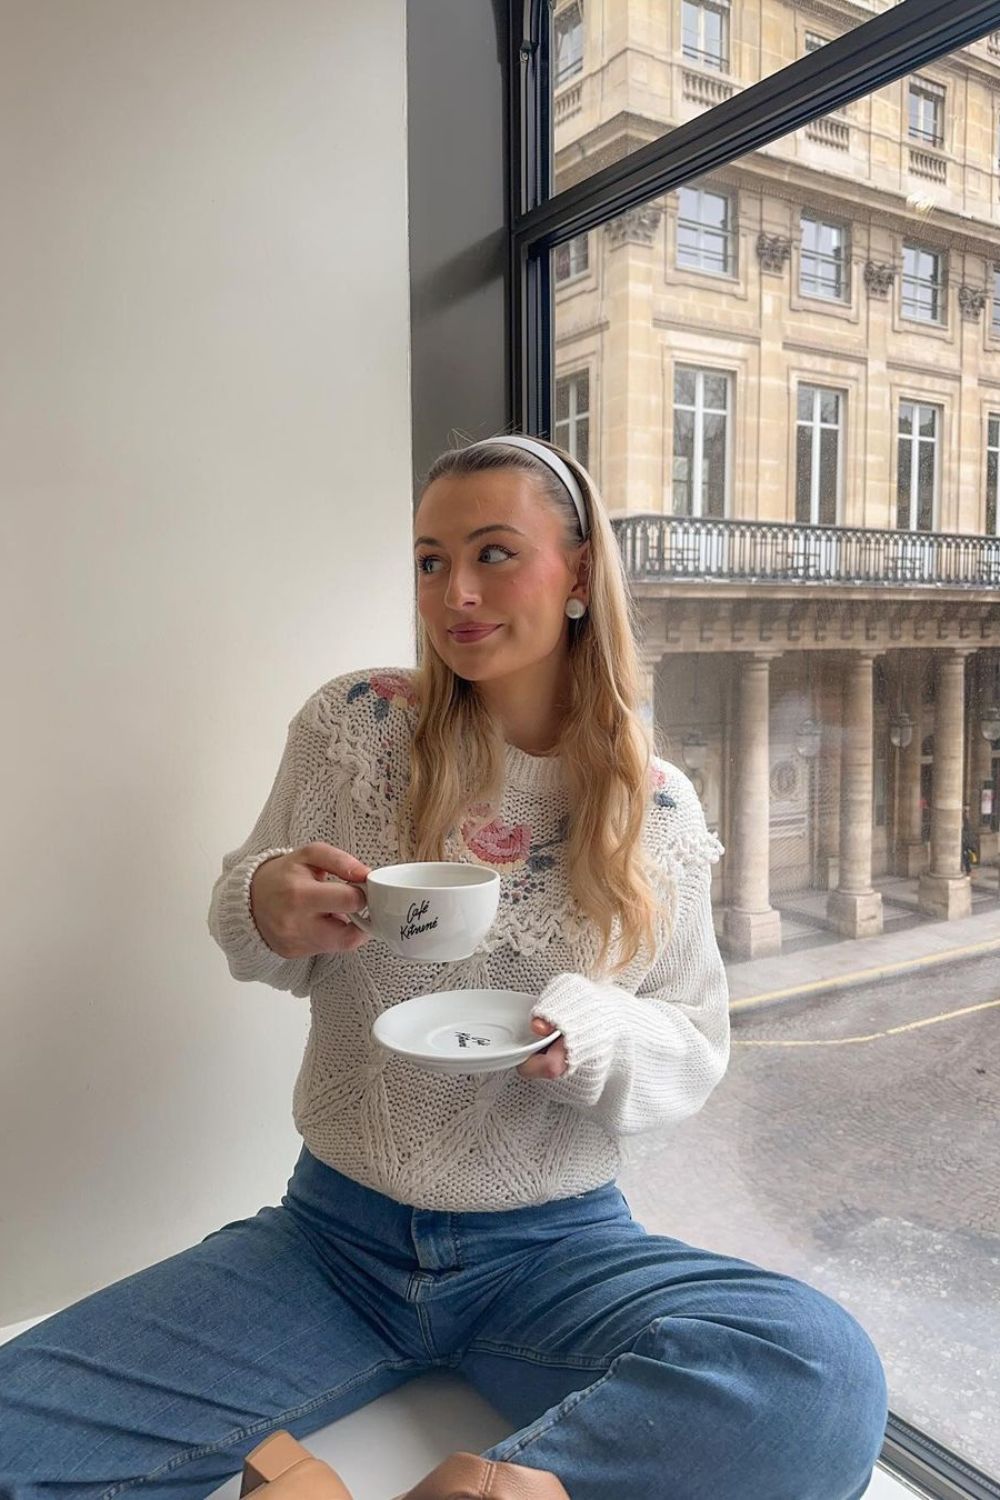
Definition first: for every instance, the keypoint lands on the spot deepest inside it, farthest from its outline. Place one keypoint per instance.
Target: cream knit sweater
(645, 1050)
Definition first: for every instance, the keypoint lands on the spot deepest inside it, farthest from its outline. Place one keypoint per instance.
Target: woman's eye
(426, 564)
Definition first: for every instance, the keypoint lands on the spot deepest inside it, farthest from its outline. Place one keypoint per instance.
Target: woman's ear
(583, 569)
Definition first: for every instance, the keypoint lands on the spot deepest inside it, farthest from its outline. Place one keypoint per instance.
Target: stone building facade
(785, 377)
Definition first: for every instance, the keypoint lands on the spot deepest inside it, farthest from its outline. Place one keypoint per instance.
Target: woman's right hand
(299, 911)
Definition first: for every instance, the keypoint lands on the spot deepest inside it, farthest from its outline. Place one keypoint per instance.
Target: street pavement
(855, 1143)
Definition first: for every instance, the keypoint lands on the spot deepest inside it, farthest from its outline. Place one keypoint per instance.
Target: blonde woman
(471, 1222)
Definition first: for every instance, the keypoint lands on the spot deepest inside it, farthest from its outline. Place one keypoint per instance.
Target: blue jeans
(628, 1363)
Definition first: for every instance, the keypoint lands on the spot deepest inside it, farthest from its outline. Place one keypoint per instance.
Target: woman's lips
(478, 633)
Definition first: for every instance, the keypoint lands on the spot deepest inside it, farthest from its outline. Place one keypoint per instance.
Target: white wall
(205, 490)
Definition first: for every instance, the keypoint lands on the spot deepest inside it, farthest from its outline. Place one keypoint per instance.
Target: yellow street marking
(838, 981)
(843, 1041)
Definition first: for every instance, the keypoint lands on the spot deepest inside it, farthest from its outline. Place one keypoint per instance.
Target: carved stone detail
(879, 278)
(972, 300)
(772, 252)
(636, 226)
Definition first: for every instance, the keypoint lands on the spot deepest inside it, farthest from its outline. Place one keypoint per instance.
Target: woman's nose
(461, 590)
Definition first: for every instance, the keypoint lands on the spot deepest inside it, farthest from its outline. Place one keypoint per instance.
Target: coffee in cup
(431, 911)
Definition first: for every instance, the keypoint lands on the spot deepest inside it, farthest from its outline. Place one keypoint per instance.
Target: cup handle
(362, 919)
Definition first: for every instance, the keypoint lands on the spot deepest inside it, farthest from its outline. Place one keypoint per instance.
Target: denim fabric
(629, 1364)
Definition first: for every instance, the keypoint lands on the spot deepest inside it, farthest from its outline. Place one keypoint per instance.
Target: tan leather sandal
(463, 1476)
(287, 1471)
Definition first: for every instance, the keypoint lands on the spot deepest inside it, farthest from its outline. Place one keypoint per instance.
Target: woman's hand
(551, 1061)
(300, 901)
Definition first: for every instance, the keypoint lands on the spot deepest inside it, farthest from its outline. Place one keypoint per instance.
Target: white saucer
(462, 1031)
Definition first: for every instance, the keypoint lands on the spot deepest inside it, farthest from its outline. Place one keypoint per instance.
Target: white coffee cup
(432, 911)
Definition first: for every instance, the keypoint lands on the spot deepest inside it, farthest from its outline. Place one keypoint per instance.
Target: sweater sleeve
(635, 1061)
(230, 919)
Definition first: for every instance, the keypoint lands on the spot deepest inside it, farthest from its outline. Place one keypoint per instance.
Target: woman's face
(493, 573)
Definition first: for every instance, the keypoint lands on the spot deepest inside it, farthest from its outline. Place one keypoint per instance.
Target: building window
(705, 31)
(573, 415)
(817, 456)
(926, 112)
(705, 237)
(992, 470)
(572, 258)
(701, 442)
(824, 260)
(568, 37)
(923, 284)
(916, 487)
(814, 42)
(996, 300)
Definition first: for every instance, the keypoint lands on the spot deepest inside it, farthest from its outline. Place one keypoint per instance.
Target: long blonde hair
(458, 751)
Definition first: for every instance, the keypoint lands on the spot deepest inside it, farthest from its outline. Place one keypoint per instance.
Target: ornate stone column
(911, 851)
(944, 891)
(981, 757)
(650, 656)
(854, 908)
(752, 928)
(828, 832)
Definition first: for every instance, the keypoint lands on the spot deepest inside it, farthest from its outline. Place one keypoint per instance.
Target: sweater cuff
(590, 1028)
(246, 950)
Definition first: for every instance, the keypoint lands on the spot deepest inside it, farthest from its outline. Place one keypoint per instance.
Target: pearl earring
(575, 609)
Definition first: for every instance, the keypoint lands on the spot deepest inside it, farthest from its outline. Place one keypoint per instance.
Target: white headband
(562, 471)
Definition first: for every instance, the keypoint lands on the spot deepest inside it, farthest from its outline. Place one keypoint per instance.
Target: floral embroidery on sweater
(660, 797)
(391, 689)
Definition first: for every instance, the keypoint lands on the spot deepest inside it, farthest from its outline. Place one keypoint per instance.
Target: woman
(472, 1222)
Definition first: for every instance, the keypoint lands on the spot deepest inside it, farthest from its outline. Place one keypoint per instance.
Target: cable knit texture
(644, 1050)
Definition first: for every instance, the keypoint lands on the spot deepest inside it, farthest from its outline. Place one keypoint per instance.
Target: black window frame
(889, 47)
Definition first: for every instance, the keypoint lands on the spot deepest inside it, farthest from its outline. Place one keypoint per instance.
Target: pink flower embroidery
(498, 843)
(395, 688)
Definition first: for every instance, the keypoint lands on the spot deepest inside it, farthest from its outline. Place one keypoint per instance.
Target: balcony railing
(699, 550)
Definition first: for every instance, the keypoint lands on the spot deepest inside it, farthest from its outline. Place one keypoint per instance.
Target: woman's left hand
(551, 1061)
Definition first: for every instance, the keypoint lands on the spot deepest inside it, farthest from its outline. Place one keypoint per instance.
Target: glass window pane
(813, 497)
(903, 487)
(925, 484)
(685, 385)
(803, 475)
(683, 469)
(690, 56)
(828, 477)
(562, 400)
(715, 391)
(714, 465)
(829, 406)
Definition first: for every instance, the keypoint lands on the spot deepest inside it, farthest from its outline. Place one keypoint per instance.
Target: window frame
(573, 378)
(572, 10)
(930, 92)
(720, 62)
(845, 259)
(816, 427)
(991, 448)
(939, 284)
(698, 511)
(730, 233)
(915, 440)
(580, 271)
